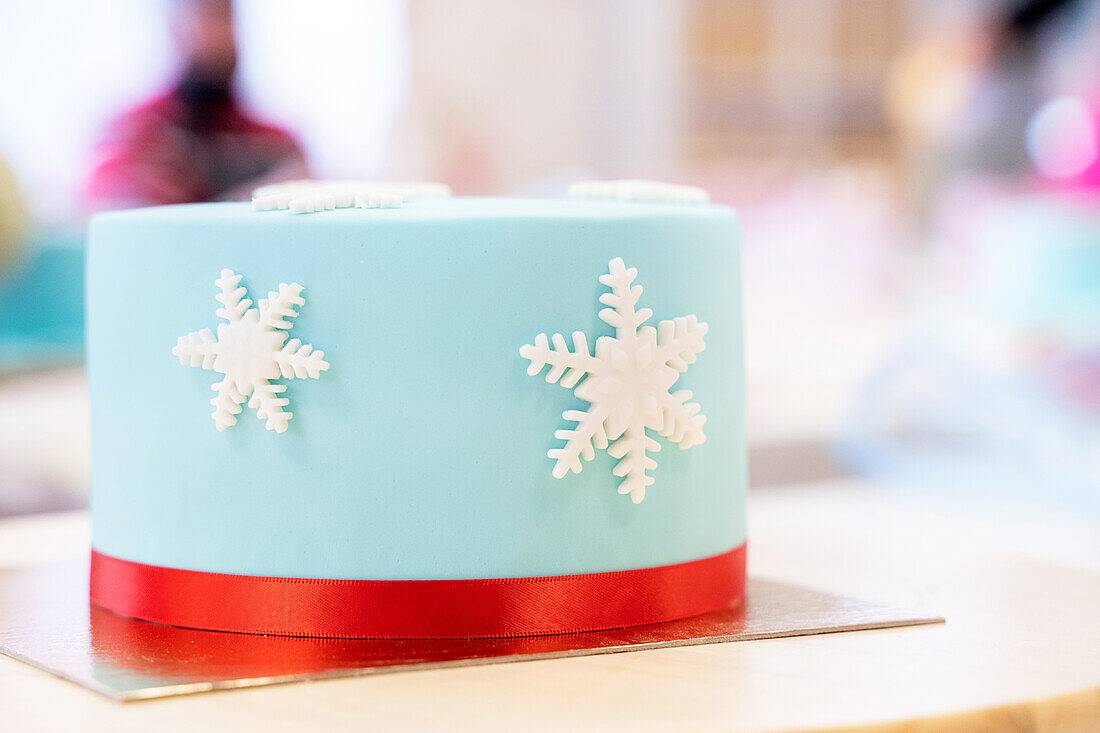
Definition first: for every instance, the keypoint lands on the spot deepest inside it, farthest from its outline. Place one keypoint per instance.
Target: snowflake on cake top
(308, 196)
(251, 350)
(651, 192)
(627, 384)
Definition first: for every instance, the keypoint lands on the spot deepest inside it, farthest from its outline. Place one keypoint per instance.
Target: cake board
(47, 622)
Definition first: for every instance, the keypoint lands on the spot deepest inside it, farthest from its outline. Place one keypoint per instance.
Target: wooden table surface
(1020, 650)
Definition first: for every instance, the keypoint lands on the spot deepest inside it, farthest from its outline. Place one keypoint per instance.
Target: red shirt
(175, 150)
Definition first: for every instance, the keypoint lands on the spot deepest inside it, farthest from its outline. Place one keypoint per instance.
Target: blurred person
(1016, 44)
(963, 99)
(194, 142)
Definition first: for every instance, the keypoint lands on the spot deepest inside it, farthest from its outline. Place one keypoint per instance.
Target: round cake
(416, 417)
(1036, 263)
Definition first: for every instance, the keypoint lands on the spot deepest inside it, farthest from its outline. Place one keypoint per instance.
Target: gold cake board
(47, 622)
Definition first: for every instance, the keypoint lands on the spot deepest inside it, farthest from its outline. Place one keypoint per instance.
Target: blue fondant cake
(1036, 264)
(418, 448)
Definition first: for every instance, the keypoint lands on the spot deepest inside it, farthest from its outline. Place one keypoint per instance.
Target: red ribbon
(417, 609)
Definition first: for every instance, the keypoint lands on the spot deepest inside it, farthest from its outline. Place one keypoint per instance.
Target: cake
(1036, 263)
(476, 416)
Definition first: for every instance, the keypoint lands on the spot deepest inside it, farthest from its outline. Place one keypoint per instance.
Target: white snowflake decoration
(251, 350)
(653, 192)
(307, 197)
(626, 383)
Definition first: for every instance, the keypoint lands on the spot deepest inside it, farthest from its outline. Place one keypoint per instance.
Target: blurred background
(918, 180)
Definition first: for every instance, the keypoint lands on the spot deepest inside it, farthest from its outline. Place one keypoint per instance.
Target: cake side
(421, 452)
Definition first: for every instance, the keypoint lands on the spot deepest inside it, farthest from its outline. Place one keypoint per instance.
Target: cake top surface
(433, 209)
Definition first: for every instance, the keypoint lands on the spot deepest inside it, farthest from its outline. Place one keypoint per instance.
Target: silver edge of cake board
(47, 622)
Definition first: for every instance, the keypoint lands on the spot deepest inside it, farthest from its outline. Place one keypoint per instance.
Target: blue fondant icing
(421, 452)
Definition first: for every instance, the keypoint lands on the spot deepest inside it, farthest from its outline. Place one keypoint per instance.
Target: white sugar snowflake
(250, 351)
(653, 192)
(626, 383)
(307, 197)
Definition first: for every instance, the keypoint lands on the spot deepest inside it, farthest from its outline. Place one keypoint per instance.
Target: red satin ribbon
(412, 609)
